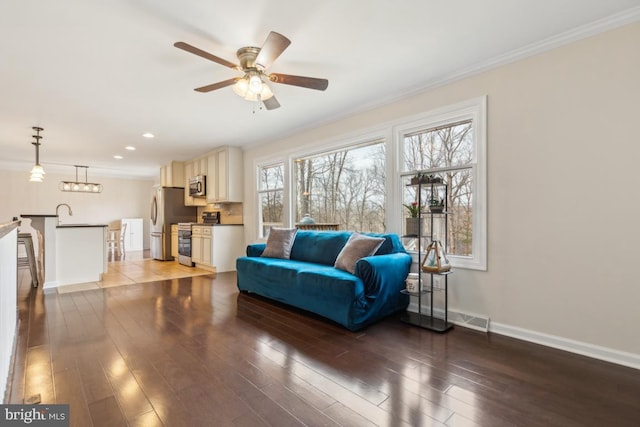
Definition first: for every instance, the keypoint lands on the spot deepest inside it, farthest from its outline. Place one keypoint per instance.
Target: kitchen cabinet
(174, 241)
(225, 175)
(201, 245)
(172, 175)
(133, 236)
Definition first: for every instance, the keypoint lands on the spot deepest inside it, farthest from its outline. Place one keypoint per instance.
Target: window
(343, 188)
(451, 146)
(270, 197)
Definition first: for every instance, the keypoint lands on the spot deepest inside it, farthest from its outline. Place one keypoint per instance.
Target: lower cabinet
(201, 245)
(217, 246)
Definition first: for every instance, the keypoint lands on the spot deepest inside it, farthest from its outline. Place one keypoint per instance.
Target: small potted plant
(414, 209)
(436, 205)
(412, 226)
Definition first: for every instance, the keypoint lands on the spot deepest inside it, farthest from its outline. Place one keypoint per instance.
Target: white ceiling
(97, 74)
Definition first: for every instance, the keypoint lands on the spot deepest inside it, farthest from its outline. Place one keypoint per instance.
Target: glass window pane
(271, 177)
(460, 207)
(270, 194)
(344, 189)
(441, 147)
(445, 153)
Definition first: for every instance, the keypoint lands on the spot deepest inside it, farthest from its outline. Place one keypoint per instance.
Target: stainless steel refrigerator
(167, 207)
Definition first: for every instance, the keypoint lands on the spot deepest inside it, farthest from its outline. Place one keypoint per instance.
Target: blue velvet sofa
(309, 280)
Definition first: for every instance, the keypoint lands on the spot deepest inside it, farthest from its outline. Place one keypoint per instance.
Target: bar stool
(30, 259)
(115, 239)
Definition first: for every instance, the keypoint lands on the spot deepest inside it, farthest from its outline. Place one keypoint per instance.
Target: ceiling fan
(253, 63)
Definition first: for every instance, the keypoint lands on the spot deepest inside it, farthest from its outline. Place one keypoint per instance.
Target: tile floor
(135, 268)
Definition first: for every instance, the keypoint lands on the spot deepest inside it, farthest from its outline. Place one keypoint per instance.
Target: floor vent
(469, 321)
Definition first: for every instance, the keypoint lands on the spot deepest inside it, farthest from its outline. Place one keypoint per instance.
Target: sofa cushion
(279, 243)
(321, 247)
(358, 246)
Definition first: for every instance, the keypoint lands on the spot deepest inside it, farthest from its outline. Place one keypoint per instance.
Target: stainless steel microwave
(197, 186)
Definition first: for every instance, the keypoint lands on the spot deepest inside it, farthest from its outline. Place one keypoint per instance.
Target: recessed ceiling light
(130, 148)
(118, 157)
(148, 135)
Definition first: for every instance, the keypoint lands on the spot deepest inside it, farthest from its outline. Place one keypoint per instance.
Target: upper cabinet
(225, 175)
(172, 175)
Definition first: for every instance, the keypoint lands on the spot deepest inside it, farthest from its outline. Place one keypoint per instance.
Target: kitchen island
(72, 253)
(81, 253)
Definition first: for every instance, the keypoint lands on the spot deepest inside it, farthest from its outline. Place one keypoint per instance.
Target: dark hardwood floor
(195, 352)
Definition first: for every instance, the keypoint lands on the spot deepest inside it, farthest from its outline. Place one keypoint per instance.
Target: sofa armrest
(383, 275)
(256, 249)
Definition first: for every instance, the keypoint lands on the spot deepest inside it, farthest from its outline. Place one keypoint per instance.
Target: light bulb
(255, 84)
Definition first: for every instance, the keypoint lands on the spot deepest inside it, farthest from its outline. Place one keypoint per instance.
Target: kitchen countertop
(6, 228)
(38, 216)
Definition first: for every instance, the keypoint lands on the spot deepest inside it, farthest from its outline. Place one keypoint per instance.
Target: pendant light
(78, 186)
(37, 173)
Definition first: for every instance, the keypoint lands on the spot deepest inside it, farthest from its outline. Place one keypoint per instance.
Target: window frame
(392, 133)
(474, 110)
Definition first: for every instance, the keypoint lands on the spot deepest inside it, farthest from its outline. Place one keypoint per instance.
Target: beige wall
(121, 198)
(562, 139)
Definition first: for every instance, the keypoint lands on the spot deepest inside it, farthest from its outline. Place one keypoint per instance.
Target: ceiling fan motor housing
(247, 57)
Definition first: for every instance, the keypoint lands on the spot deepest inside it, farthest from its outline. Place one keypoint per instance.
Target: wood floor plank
(195, 352)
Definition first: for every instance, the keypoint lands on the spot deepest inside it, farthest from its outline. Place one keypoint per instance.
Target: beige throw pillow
(279, 243)
(358, 246)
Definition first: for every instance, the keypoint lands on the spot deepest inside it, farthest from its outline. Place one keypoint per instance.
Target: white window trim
(392, 132)
(476, 110)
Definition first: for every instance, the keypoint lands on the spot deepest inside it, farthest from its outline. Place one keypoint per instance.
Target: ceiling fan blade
(218, 85)
(308, 82)
(192, 49)
(271, 49)
(271, 103)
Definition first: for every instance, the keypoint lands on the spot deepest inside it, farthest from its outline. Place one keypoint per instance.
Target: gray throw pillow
(279, 243)
(358, 246)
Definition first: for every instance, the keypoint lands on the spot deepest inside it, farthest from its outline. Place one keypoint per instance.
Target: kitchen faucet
(68, 207)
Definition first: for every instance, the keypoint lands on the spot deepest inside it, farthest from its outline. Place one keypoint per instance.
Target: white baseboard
(585, 349)
(630, 360)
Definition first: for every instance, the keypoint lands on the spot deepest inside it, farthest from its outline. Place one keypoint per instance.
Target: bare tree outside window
(270, 194)
(446, 152)
(345, 187)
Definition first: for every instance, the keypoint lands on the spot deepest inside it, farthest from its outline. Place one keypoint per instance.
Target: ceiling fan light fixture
(252, 88)
(241, 87)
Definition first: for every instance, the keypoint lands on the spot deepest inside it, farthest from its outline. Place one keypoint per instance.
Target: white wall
(121, 198)
(562, 138)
